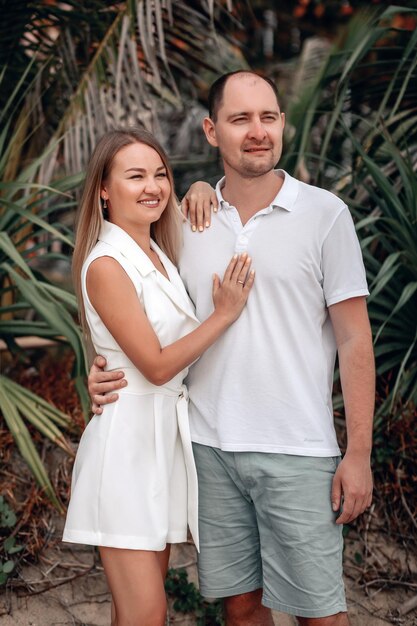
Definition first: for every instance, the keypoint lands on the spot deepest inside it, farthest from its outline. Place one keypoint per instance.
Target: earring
(104, 203)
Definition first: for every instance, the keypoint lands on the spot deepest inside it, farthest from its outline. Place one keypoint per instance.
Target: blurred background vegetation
(346, 71)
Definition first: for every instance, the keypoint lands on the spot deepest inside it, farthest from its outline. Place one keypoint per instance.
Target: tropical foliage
(355, 131)
(9, 547)
(97, 65)
(29, 303)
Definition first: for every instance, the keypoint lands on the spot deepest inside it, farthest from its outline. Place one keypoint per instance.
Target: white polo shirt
(266, 384)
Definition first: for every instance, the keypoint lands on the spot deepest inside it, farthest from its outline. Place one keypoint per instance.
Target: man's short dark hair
(215, 97)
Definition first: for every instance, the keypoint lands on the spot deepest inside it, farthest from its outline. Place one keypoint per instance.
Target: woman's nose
(152, 185)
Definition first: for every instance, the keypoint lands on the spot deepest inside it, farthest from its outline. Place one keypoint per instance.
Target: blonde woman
(134, 483)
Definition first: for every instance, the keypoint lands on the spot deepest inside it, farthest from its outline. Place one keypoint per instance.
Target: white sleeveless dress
(134, 482)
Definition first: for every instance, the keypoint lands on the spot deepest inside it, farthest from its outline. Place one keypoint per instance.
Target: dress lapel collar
(174, 288)
(119, 239)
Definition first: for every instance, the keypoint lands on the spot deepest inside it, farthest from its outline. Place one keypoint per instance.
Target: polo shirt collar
(285, 198)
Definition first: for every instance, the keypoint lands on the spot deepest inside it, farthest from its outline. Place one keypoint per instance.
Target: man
(273, 491)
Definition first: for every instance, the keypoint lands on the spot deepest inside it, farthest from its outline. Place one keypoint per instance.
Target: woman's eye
(136, 177)
(161, 175)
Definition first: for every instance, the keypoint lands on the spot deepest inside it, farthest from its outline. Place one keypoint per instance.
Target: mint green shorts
(266, 522)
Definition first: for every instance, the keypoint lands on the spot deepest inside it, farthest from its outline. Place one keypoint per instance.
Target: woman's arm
(113, 295)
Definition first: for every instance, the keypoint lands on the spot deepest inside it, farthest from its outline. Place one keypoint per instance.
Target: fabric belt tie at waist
(192, 484)
(181, 407)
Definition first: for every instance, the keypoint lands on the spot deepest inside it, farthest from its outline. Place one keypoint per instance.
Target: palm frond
(356, 133)
(11, 411)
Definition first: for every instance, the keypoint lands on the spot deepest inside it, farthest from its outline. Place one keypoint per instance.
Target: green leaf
(54, 314)
(10, 547)
(8, 518)
(8, 567)
(25, 444)
(9, 543)
(53, 413)
(35, 219)
(42, 422)
(15, 550)
(7, 246)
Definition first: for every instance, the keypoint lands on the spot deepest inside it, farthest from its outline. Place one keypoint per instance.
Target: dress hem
(123, 542)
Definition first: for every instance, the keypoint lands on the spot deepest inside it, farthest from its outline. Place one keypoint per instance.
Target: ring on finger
(242, 282)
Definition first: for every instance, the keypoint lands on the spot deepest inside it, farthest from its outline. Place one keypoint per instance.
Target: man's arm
(101, 383)
(353, 478)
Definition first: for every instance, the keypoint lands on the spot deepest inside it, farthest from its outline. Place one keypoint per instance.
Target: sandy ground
(84, 600)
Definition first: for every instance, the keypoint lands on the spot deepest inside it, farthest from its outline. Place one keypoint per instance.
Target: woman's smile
(150, 202)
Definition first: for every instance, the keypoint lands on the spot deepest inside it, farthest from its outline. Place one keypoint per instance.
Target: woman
(134, 482)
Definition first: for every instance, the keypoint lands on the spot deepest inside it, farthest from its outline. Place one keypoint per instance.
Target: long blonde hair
(166, 231)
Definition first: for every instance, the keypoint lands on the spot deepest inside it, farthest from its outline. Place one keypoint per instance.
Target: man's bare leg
(246, 610)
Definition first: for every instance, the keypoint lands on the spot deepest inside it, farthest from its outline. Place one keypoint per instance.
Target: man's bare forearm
(357, 374)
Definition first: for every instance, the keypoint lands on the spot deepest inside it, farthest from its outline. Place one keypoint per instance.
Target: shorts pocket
(336, 461)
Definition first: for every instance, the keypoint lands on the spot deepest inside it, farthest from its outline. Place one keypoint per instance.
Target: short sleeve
(343, 270)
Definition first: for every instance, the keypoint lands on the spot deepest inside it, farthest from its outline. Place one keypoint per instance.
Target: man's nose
(257, 130)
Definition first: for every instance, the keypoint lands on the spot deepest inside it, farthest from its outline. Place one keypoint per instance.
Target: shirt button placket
(241, 243)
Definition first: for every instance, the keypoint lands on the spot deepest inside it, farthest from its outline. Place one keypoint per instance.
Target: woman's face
(137, 189)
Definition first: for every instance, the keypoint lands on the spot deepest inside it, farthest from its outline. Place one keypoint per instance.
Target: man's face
(249, 127)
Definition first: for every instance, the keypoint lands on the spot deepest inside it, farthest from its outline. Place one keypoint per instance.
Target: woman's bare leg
(163, 558)
(137, 586)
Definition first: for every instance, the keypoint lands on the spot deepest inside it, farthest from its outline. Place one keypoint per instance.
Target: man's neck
(250, 195)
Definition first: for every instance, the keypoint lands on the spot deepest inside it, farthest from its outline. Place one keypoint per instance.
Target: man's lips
(255, 149)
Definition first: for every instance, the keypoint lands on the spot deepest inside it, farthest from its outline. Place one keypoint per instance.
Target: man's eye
(269, 118)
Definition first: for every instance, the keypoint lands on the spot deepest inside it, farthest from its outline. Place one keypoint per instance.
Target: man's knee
(339, 619)
(246, 608)
(243, 604)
